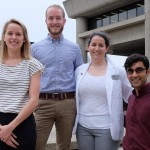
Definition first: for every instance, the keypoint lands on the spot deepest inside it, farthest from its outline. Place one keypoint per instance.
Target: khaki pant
(59, 112)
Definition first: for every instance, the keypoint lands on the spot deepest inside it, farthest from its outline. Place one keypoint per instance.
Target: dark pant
(25, 132)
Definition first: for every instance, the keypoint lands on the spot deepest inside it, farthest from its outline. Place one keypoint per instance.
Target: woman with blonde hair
(19, 88)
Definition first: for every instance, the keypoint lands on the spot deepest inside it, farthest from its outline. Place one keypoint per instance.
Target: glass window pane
(140, 11)
(99, 23)
(114, 18)
(91, 23)
(131, 13)
(122, 16)
(117, 15)
(106, 21)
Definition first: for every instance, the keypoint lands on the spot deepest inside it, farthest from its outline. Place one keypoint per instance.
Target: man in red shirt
(138, 113)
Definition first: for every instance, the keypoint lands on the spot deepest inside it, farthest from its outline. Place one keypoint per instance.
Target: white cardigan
(117, 89)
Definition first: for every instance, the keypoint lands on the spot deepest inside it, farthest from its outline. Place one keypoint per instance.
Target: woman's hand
(11, 141)
(5, 132)
(7, 136)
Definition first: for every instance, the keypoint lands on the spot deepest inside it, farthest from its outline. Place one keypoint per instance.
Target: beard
(55, 32)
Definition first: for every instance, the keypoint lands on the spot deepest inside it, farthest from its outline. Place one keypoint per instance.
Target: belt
(57, 96)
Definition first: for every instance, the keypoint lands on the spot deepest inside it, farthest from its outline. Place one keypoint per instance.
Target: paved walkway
(52, 137)
(51, 143)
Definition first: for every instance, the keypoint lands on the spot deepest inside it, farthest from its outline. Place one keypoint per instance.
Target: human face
(14, 37)
(55, 21)
(138, 78)
(97, 48)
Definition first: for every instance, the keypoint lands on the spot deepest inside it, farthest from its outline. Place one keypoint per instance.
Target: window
(106, 20)
(140, 9)
(114, 17)
(131, 13)
(99, 23)
(120, 14)
(91, 23)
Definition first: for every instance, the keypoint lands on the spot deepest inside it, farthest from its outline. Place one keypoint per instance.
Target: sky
(32, 14)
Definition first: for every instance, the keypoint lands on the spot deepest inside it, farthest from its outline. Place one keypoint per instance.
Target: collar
(52, 40)
(144, 90)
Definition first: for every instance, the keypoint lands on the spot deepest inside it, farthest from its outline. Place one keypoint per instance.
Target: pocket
(38, 106)
(69, 106)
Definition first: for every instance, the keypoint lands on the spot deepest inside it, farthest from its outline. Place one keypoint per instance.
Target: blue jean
(95, 139)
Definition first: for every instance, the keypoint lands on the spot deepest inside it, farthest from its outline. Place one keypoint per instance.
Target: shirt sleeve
(79, 59)
(35, 66)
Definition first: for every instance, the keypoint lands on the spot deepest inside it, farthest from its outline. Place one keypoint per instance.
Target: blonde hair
(25, 49)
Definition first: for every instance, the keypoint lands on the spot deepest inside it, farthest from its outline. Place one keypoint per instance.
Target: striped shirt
(14, 84)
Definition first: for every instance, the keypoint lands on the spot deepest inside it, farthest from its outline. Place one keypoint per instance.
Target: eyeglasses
(138, 70)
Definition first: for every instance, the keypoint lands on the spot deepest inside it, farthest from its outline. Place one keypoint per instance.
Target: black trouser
(25, 132)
